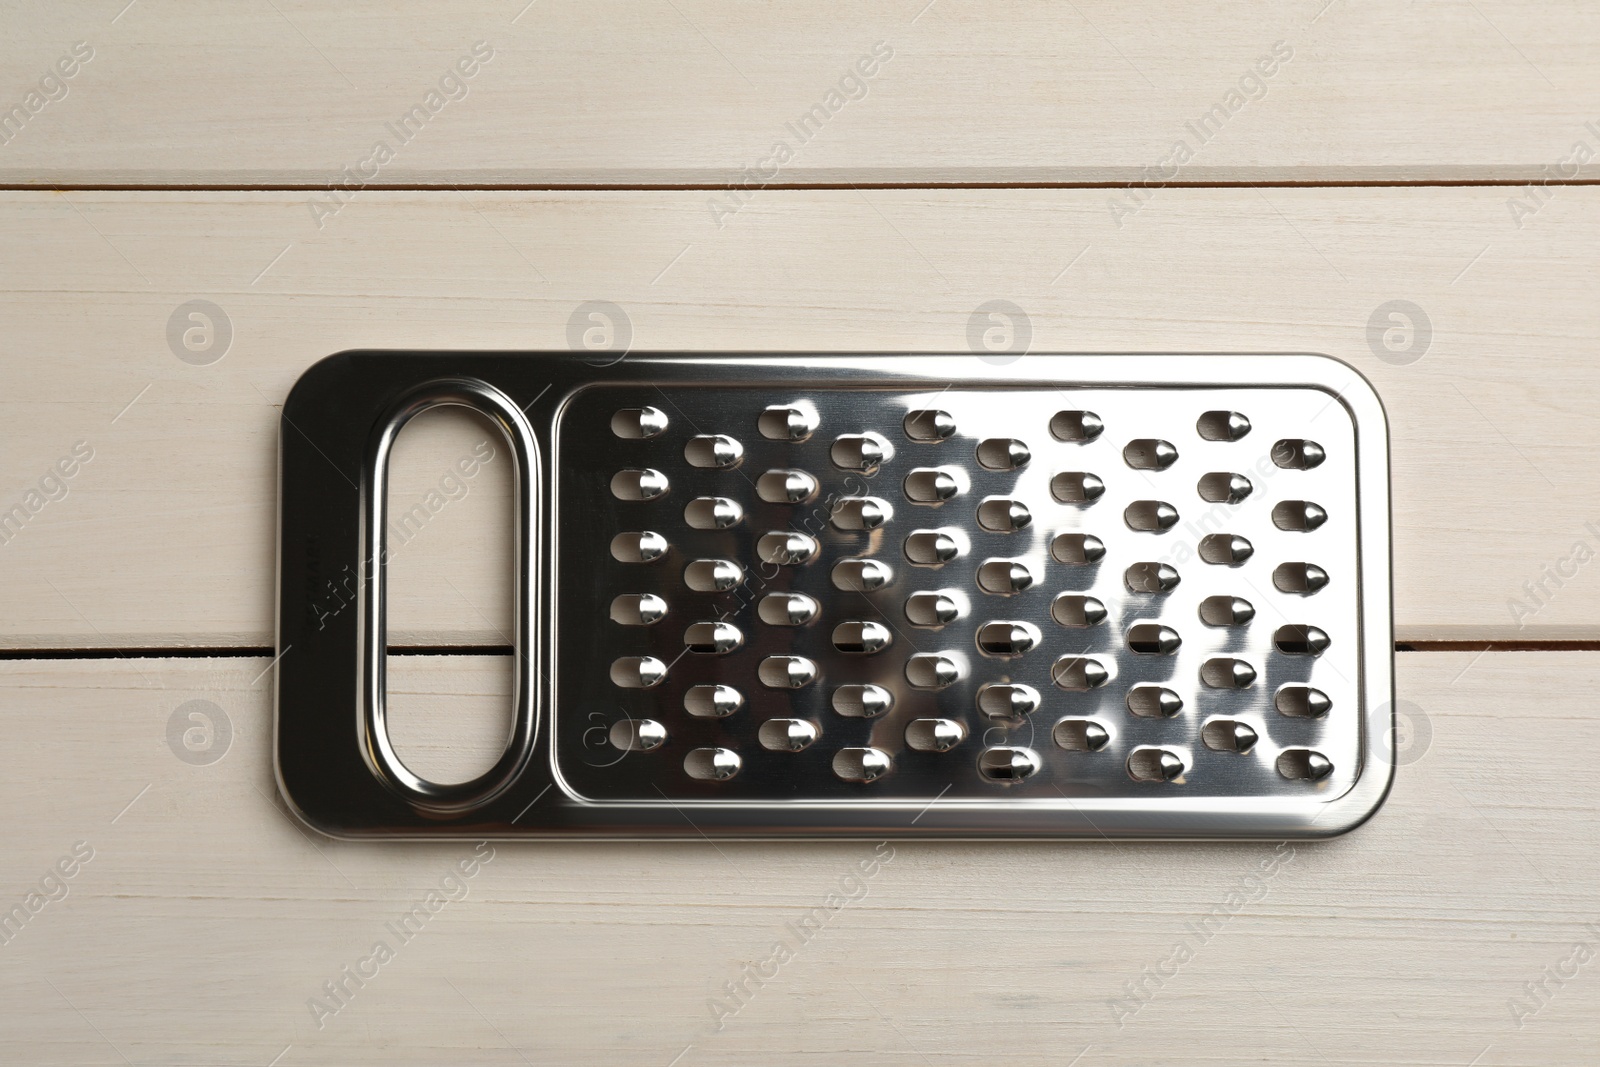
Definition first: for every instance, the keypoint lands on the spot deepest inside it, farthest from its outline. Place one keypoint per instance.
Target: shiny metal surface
(367, 648)
(829, 596)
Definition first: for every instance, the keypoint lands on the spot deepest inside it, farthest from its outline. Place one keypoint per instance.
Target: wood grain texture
(166, 537)
(206, 919)
(698, 90)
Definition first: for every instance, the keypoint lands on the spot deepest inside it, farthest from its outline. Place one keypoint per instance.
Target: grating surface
(637, 740)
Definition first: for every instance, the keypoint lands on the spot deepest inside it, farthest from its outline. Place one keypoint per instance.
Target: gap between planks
(264, 651)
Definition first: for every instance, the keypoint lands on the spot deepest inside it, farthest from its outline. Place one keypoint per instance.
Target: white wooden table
(1338, 156)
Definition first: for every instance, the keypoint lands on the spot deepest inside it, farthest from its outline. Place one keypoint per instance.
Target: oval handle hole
(450, 552)
(521, 452)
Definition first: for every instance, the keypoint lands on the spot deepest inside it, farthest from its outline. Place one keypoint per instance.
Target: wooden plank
(696, 91)
(205, 920)
(166, 536)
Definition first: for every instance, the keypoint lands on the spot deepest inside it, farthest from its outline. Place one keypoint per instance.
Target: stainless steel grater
(830, 596)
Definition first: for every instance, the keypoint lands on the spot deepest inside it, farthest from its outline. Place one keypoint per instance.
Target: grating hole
(1154, 765)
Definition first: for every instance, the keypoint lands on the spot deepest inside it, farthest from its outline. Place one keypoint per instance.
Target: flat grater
(834, 596)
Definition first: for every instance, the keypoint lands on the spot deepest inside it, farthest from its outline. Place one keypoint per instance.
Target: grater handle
(376, 746)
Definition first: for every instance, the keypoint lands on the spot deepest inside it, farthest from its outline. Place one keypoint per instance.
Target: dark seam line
(231, 652)
(1498, 646)
(265, 651)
